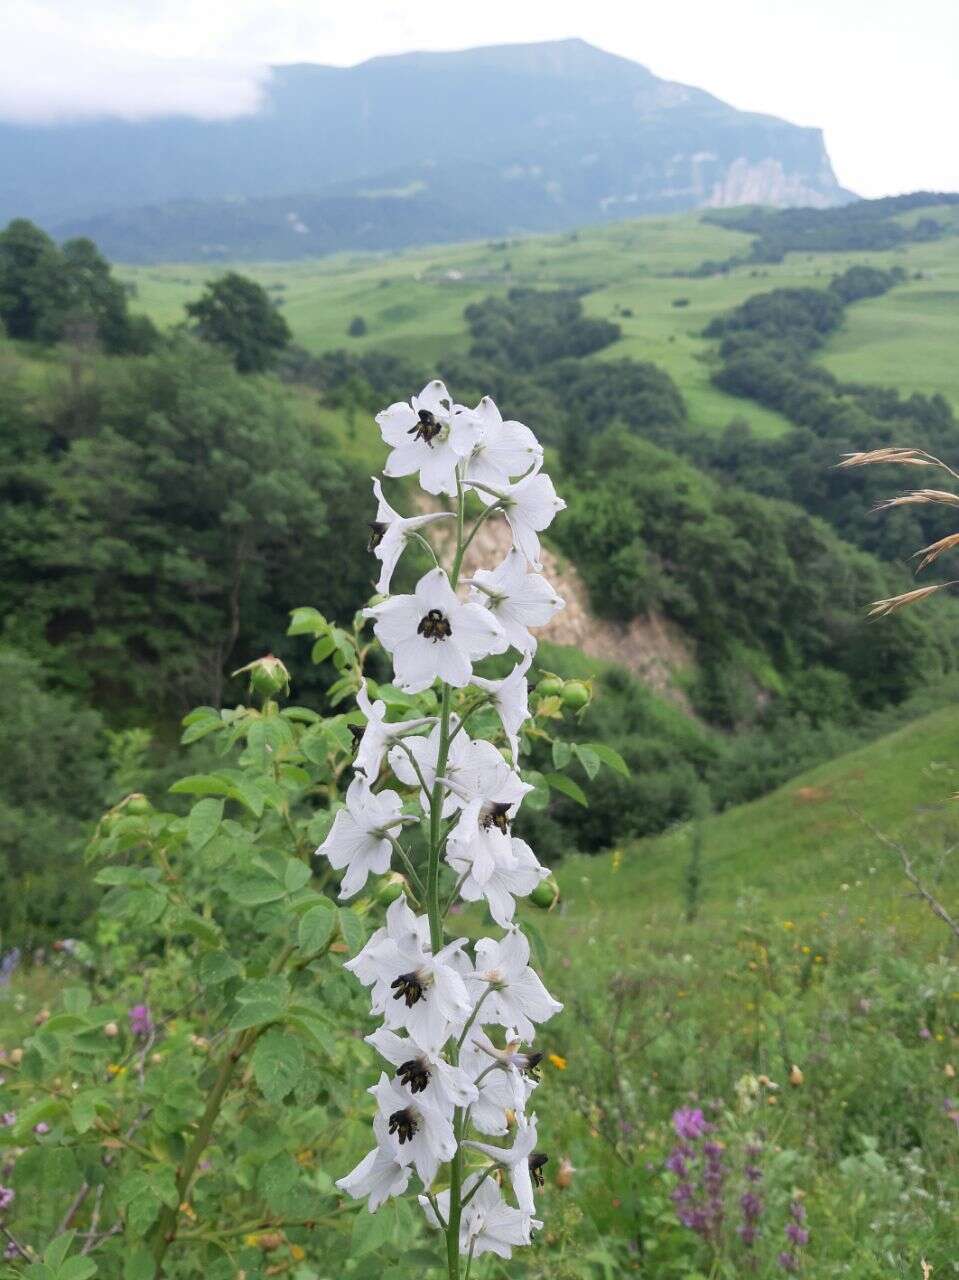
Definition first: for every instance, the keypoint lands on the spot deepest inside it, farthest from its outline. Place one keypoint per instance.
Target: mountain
(410, 149)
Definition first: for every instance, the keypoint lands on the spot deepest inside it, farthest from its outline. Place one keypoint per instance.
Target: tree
(236, 313)
(29, 271)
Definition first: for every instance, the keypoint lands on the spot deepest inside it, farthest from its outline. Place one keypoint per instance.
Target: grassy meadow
(413, 302)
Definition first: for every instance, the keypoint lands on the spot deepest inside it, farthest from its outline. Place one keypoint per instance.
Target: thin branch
(933, 903)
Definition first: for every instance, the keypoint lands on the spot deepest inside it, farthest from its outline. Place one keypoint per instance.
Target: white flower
(514, 873)
(517, 599)
(529, 506)
(502, 449)
(516, 1159)
(510, 697)
(419, 434)
(411, 987)
(379, 1175)
(504, 1084)
(517, 997)
(433, 634)
(418, 1132)
(490, 792)
(488, 1224)
(379, 735)
(360, 836)
(390, 532)
(424, 1070)
(425, 751)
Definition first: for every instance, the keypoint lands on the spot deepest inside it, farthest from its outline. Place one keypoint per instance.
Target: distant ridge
(410, 149)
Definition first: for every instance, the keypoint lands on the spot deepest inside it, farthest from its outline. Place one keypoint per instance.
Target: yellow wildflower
(558, 1062)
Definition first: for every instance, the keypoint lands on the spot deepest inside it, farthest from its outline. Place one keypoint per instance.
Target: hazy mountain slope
(516, 137)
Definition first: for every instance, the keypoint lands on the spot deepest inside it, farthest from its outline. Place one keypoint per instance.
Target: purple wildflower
(787, 1261)
(11, 1251)
(797, 1235)
(748, 1234)
(6, 1198)
(797, 1211)
(751, 1206)
(690, 1123)
(752, 1173)
(141, 1024)
(8, 966)
(41, 1128)
(8, 1119)
(925, 1033)
(677, 1163)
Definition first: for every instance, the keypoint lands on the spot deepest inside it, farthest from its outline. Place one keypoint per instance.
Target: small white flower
(390, 532)
(488, 1224)
(424, 1070)
(529, 506)
(510, 697)
(417, 1130)
(505, 1079)
(411, 987)
(379, 1175)
(419, 434)
(517, 599)
(490, 793)
(517, 997)
(379, 735)
(425, 751)
(501, 449)
(433, 634)
(359, 839)
(513, 873)
(516, 1160)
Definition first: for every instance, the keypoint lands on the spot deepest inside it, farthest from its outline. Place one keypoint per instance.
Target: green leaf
(77, 1269)
(217, 967)
(588, 759)
(58, 1249)
(323, 648)
(353, 929)
(65, 1022)
(562, 754)
(252, 889)
(317, 927)
(279, 1061)
(76, 999)
(203, 822)
(256, 1013)
(538, 798)
(139, 1265)
(611, 758)
(297, 874)
(537, 943)
(559, 782)
(372, 1231)
(306, 622)
(202, 784)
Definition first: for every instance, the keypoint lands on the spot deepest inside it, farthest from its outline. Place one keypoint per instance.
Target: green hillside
(413, 302)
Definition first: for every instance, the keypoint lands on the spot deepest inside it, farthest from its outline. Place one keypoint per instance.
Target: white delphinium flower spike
(510, 698)
(420, 440)
(411, 987)
(517, 997)
(488, 1224)
(359, 839)
(379, 735)
(421, 1132)
(502, 449)
(432, 634)
(379, 1175)
(423, 1069)
(390, 532)
(516, 598)
(529, 506)
(505, 1080)
(523, 1163)
(512, 873)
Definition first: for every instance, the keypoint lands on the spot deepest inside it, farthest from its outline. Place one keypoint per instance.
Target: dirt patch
(649, 646)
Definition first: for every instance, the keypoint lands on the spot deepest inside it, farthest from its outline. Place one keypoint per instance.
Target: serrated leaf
(217, 967)
(559, 782)
(256, 1013)
(278, 1061)
(322, 649)
(203, 821)
(317, 927)
(296, 875)
(58, 1249)
(252, 888)
(372, 1231)
(611, 758)
(77, 1268)
(306, 622)
(562, 754)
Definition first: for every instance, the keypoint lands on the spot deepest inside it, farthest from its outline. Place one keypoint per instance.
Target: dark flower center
(536, 1162)
(356, 732)
(426, 429)
(403, 1124)
(415, 1073)
(377, 532)
(496, 815)
(408, 987)
(532, 1065)
(435, 626)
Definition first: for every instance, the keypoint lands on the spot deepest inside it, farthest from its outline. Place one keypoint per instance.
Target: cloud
(51, 70)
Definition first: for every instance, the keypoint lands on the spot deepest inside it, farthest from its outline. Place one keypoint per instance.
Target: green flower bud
(576, 694)
(546, 894)
(268, 676)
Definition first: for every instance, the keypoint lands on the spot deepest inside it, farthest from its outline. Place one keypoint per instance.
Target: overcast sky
(881, 77)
